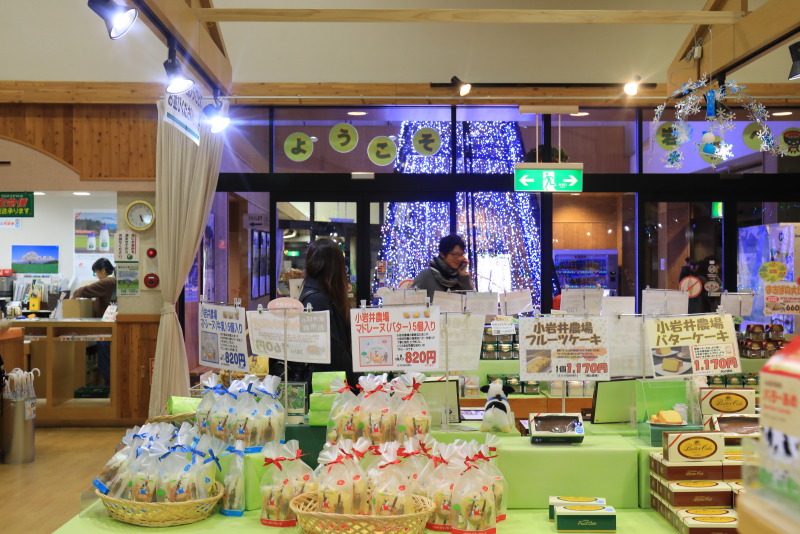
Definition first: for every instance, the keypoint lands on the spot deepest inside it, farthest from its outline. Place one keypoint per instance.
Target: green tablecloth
(94, 519)
(610, 429)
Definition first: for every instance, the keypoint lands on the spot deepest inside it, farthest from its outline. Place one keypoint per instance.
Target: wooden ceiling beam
(357, 94)
(472, 16)
(731, 46)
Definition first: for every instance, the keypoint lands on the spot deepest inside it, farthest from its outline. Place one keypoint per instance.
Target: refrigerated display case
(587, 268)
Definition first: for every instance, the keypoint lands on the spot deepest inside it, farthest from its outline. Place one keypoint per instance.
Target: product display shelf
(753, 365)
(94, 519)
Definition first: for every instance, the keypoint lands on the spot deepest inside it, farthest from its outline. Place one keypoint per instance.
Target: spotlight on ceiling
(356, 113)
(632, 87)
(781, 113)
(463, 87)
(177, 82)
(794, 51)
(215, 116)
(579, 114)
(118, 16)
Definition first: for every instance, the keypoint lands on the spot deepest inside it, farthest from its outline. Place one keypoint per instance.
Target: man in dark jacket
(449, 270)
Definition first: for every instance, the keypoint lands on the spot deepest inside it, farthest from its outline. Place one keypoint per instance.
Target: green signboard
(16, 204)
(716, 210)
(552, 179)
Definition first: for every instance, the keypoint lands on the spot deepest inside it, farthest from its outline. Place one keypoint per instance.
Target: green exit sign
(548, 177)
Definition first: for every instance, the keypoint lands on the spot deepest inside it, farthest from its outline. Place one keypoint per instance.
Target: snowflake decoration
(687, 107)
(659, 112)
(683, 132)
(768, 143)
(732, 88)
(674, 159)
(725, 117)
(756, 111)
(724, 151)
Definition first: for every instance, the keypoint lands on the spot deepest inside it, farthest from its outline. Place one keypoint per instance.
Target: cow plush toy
(497, 416)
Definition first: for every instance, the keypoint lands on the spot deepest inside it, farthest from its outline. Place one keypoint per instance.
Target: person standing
(105, 291)
(325, 287)
(449, 271)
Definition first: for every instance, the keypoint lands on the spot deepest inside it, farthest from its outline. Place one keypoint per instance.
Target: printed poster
(563, 347)
(703, 344)
(34, 259)
(307, 335)
(126, 246)
(222, 337)
(402, 338)
(781, 297)
(95, 231)
(127, 275)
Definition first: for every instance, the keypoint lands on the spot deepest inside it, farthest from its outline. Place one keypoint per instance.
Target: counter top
(89, 322)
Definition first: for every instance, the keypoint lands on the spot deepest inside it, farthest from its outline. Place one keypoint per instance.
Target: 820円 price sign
(396, 339)
(222, 337)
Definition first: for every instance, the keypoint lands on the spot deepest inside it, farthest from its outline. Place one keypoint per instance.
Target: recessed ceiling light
(781, 113)
(39, 193)
(81, 193)
(632, 87)
(627, 228)
(579, 114)
(356, 113)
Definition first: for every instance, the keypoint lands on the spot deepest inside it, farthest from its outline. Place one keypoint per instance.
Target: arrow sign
(549, 177)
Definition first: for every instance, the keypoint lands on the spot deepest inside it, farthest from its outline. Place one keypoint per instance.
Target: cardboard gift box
(586, 518)
(690, 470)
(727, 401)
(705, 524)
(569, 501)
(732, 467)
(705, 493)
(699, 446)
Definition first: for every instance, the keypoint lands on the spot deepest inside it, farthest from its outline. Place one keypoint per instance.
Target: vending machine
(587, 268)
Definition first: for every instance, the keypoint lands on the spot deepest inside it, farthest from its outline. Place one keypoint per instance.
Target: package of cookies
(341, 424)
(285, 476)
(473, 507)
(343, 488)
(223, 409)
(233, 502)
(212, 390)
(111, 475)
(438, 482)
(411, 409)
(391, 492)
(373, 415)
(242, 422)
(482, 459)
(175, 482)
(270, 421)
(414, 461)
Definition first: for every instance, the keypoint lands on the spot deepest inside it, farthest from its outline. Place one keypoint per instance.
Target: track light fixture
(119, 16)
(794, 51)
(177, 82)
(463, 87)
(632, 87)
(215, 117)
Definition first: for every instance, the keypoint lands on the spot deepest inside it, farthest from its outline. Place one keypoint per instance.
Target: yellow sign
(697, 449)
(298, 147)
(790, 142)
(667, 136)
(772, 271)
(427, 141)
(750, 136)
(729, 403)
(699, 483)
(707, 511)
(343, 137)
(382, 151)
(706, 519)
(585, 507)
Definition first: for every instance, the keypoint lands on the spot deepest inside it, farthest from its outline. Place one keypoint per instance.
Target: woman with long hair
(325, 287)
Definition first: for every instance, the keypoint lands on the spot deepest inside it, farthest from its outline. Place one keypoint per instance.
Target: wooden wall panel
(101, 141)
(136, 337)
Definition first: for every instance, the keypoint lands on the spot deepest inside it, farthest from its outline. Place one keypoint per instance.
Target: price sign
(222, 337)
(780, 393)
(307, 335)
(403, 338)
(696, 344)
(563, 348)
(781, 297)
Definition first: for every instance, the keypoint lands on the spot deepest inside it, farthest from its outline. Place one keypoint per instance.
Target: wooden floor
(43, 495)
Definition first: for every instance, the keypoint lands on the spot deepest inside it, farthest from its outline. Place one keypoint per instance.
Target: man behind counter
(104, 290)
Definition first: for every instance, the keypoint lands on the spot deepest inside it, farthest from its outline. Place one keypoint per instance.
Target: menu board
(781, 297)
(563, 348)
(222, 337)
(401, 338)
(461, 340)
(703, 344)
(307, 335)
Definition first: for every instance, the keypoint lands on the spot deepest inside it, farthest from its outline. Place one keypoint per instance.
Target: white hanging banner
(222, 337)
(481, 303)
(614, 306)
(516, 302)
(701, 344)
(581, 300)
(398, 338)
(448, 302)
(563, 347)
(184, 111)
(307, 335)
(740, 304)
(461, 340)
(664, 302)
(626, 346)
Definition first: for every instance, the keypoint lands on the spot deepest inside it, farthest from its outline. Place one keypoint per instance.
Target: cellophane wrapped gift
(391, 491)
(223, 411)
(212, 390)
(414, 461)
(438, 479)
(343, 486)
(270, 420)
(473, 503)
(233, 502)
(242, 425)
(373, 415)
(114, 472)
(341, 424)
(482, 459)
(410, 407)
(286, 476)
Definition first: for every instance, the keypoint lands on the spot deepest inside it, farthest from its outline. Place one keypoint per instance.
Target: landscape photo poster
(34, 259)
(95, 231)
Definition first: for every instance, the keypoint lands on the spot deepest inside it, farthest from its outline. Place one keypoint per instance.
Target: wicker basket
(176, 419)
(157, 514)
(313, 522)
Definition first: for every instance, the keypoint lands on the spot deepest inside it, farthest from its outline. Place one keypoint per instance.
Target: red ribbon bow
(438, 460)
(481, 456)
(344, 388)
(387, 464)
(368, 393)
(425, 449)
(277, 461)
(414, 389)
(339, 460)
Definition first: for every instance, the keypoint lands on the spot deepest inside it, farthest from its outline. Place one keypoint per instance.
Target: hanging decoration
(690, 100)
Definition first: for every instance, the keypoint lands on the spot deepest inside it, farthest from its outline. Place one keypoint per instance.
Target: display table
(94, 519)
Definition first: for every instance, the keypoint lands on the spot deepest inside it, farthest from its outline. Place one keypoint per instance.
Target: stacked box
(585, 518)
(699, 446)
(570, 501)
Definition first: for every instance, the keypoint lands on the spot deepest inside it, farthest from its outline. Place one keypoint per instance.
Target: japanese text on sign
(781, 297)
(397, 338)
(780, 400)
(696, 344)
(563, 348)
(16, 204)
(307, 335)
(222, 337)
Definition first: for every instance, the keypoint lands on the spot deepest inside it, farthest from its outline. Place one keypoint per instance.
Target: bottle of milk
(105, 239)
(91, 241)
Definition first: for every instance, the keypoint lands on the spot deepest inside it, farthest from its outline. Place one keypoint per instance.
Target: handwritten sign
(703, 344)
(307, 336)
(563, 348)
(222, 337)
(402, 338)
(781, 297)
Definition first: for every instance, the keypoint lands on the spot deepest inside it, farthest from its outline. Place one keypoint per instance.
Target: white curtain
(186, 178)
